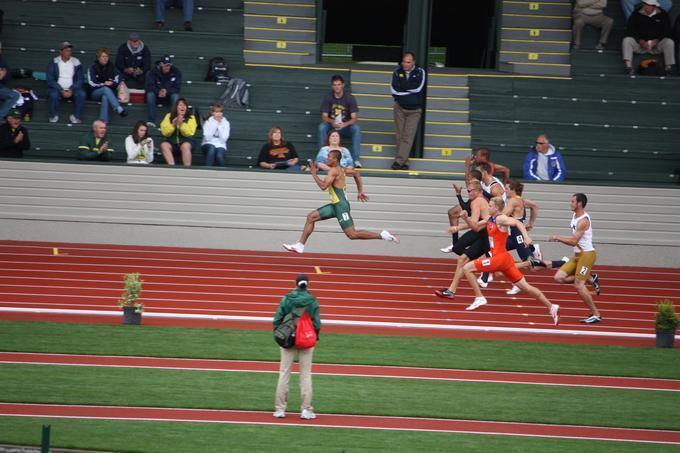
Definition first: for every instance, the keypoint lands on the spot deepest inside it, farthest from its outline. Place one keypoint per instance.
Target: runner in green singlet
(335, 183)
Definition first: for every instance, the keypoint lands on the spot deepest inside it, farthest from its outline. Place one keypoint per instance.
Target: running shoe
(537, 252)
(280, 414)
(592, 319)
(482, 283)
(445, 293)
(386, 235)
(595, 281)
(555, 313)
(298, 247)
(307, 414)
(514, 290)
(479, 301)
(448, 249)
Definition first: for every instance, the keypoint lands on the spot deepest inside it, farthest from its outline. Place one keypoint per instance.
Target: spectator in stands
(648, 31)
(187, 7)
(134, 61)
(278, 153)
(339, 111)
(138, 145)
(629, 6)
(8, 97)
(94, 145)
(483, 156)
(215, 135)
(591, 12)
(102, 81)
(65, 80)
(178, 127)
(676, 37)
(408, 84)
(13, 136)
(163, 84)
(544, 162)
(333, 143)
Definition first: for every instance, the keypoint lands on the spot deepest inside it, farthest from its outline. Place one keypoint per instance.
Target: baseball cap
(64, 45)
(302, 281)
(166, 59)
(134, 36)
(15, 113)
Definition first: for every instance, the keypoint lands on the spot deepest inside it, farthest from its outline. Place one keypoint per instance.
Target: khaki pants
(287, 358)
(600, 21)
(406, 123)
(666, 47)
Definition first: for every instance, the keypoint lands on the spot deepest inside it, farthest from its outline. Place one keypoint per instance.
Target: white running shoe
(554, 312)
(537, 252)
(298, 247)
(512, 291)
(308, 414)
(74, 119)
(448, 249)
(280, 414)
(54, 119)
(387, 236)
(482, 283)
(565, 259)
(479, 301)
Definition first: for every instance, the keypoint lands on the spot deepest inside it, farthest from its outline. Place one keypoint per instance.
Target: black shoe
(445, 293)
(629, 71)
(187, 26)
(595, 281)
(396, 166)
(536, 263)
(404, 167)
(123, 113)
(159, 25)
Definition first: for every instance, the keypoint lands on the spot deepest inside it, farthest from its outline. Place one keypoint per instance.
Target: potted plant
(666, 324)
(129, 300)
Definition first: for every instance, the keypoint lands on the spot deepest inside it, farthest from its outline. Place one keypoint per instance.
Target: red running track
(375, 294)
(342, 421)
(346, 370)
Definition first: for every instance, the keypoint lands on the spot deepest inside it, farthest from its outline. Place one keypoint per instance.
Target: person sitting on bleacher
(278, 153)
(629, 6)
(65, 80)
(178, 127)
(591, 12)
(102, 81)
(94, 145)
(13, 136)
(133, 60)
(138, 145)
(216, 131)
(8, 96)
(675, 33)
(648, 31)
(163, 84)
(187, 7)
(333, 143)
(544, 163)
(339, 111)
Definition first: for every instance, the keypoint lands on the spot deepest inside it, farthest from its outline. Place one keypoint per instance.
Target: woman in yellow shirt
(178, 127)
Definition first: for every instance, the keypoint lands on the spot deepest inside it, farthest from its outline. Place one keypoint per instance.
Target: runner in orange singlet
(498, 226)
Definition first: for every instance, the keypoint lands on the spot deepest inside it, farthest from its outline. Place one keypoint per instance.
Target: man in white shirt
(65, 80)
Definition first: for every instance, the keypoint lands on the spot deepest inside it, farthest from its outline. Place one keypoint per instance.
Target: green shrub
(666, 318)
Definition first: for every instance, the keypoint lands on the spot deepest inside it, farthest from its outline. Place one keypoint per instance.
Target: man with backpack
(302, 307)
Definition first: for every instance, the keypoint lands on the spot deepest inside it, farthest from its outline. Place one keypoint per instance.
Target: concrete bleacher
(259, 210)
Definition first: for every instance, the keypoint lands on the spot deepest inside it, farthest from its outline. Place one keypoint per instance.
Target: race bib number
(583, 271)
(519, 239)
(345, 216)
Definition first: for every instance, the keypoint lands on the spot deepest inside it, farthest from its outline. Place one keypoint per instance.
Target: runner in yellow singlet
(335, 183)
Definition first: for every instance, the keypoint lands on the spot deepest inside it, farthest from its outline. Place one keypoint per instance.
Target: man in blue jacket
(8, 97)
(408, 90)
(65, 80)
(544, 162)
(163, 84)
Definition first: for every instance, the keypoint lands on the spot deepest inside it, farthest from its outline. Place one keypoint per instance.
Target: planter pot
(665, 338)
(130, 316)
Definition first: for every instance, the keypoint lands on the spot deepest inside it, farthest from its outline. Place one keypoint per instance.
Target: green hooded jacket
(299, 298)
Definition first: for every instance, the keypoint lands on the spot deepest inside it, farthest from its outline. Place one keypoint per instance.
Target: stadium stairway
(152, 205)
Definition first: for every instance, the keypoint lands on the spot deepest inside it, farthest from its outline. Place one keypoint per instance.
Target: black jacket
(155, 80)
(126, 59)
(7, 146)
(640, 26)
(409, 92)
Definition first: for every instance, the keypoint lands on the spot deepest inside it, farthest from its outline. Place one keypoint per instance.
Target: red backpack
(305, 335)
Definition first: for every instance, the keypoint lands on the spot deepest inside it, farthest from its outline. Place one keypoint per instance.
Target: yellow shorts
(581, 265)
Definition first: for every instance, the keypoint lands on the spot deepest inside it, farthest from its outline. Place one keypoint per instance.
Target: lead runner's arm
(327, 181)
(573, 240)
(360, 185)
